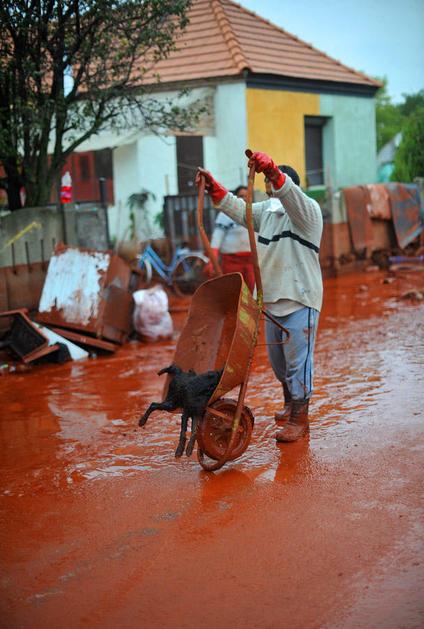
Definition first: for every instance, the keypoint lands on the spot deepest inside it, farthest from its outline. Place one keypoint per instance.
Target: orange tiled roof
(223, 39)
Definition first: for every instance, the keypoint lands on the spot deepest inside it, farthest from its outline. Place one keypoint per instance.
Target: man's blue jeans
(293, 362)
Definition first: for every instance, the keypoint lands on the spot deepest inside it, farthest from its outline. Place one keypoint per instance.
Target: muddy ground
(102, 527)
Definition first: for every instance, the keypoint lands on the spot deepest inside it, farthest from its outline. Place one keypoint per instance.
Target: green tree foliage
(389, 117)
(105, 47)
(409, 160)
(406, 117)
(412, 102)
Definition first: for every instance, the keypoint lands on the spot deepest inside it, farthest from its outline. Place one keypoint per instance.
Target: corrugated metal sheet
(407, 213)
(378, 204)
(359, 219)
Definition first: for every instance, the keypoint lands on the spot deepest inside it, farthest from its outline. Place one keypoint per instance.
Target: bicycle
(184, 274)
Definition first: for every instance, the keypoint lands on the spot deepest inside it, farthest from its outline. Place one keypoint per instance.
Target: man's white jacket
(288, 245)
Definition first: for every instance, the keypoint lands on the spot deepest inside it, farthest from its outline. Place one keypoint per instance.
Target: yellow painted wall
(275, 125)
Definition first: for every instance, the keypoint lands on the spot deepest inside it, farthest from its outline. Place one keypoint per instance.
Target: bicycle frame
(164, 270)
(157, 263)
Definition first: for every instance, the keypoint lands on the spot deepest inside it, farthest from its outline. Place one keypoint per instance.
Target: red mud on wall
(102, 527)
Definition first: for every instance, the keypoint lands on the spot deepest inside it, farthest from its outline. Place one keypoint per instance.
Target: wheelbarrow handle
(207, 245)
(250, 229)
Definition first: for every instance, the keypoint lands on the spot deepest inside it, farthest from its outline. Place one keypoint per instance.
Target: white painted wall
(125, 178)
(150, 163)
(157, 174)
(224, 151)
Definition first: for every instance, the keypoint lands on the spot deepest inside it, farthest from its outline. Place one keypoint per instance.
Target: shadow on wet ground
(102, 527)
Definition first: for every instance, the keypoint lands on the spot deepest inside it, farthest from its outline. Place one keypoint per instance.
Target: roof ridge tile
(230, 38)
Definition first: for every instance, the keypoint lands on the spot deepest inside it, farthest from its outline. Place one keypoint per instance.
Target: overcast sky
(377, 37)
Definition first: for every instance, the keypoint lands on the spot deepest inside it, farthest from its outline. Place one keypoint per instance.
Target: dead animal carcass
(190, 392)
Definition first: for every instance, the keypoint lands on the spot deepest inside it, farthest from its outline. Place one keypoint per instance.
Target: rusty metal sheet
(72, 291)
(359, 220)
(117, 317)
(378, 204)
(79, 284)
(83, 339)
(407, 213)
(40, 353)
(21, 286)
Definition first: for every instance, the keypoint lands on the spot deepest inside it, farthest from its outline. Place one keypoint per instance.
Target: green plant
(159, 220)
(409, 160)
(137, 201)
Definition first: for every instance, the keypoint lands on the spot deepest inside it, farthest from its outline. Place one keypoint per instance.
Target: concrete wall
(276, 125)
(30, 235)
(350, 153)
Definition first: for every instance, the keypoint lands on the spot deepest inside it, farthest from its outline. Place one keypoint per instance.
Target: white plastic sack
(151, 317)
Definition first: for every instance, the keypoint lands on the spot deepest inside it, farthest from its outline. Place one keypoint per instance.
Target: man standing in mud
(288, 248)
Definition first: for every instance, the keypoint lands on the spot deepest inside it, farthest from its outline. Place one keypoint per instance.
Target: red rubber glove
(216, 191)
(264, 164)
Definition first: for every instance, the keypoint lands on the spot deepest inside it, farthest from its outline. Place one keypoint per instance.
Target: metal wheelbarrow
(221, 333)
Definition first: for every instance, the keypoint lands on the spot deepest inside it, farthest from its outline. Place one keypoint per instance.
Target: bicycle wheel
(189, 274)
(146, 272)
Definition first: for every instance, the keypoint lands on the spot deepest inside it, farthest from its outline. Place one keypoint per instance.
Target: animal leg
(183, 431)
(194, 424)
(166, 405)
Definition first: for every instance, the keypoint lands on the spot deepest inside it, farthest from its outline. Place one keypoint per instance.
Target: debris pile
(386, 224)
(86, 306)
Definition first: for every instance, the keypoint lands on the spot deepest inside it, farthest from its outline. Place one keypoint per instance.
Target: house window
(313, 150)
(189, 157)
(103, 164)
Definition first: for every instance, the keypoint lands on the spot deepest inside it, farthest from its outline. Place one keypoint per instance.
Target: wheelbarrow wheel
(214, 432)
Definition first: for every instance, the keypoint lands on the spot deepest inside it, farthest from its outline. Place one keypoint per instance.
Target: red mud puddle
(102, 527)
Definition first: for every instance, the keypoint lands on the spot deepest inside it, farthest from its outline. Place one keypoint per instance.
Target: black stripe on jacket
(288, 234)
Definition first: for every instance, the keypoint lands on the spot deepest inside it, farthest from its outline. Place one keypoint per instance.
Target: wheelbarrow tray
(220, 331)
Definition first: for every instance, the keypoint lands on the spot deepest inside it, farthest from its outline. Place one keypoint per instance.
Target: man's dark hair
(288, 170)
(237, 190)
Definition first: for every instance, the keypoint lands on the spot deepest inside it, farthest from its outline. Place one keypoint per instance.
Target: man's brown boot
(282, 417)
(298, 424)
